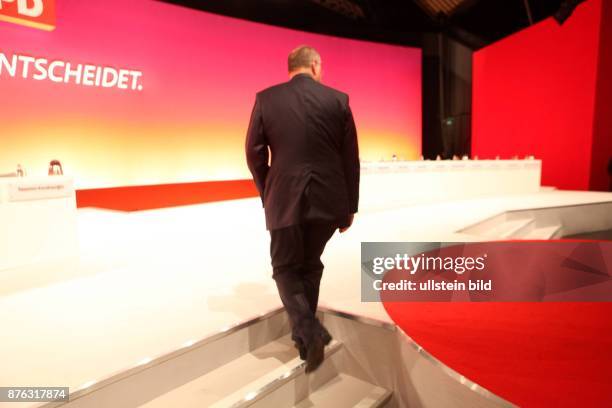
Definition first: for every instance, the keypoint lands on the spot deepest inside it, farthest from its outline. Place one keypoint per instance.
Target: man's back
(309, 190)
(314, 171)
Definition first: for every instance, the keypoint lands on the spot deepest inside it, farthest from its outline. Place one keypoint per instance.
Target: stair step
(241, 381)
(273, 380)
(527, 226)
(542, 232)
(346, 391)
(508, 228)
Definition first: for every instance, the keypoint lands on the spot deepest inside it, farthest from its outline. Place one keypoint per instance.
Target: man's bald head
(304, 59)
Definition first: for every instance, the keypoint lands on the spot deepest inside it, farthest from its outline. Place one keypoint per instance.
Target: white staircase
(544, 223)
(254, 364)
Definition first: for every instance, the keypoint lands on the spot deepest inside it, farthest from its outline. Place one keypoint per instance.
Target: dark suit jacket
(314, 171)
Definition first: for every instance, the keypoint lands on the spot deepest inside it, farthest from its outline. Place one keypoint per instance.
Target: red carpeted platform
(532, 354)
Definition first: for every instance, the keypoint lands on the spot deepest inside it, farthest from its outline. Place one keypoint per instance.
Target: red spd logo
(32, 13)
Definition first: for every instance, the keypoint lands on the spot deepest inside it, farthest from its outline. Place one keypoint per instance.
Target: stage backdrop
(140, 92)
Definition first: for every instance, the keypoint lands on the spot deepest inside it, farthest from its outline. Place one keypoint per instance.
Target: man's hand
(349, 223)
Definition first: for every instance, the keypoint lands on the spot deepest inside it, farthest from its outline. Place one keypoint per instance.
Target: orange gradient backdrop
(200, 74)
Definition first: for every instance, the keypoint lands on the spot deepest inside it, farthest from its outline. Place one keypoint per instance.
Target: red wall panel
(135, 198)
(534, 94)
(602, 131)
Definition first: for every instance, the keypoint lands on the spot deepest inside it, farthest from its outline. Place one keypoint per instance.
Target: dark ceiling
(473, 22)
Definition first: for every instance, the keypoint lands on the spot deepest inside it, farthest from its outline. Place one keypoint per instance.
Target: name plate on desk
(24, 190)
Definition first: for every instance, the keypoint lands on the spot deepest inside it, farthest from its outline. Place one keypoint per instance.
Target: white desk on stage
(37, 220)
(400, 183)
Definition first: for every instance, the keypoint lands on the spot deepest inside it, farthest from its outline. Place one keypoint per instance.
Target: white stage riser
(398, 184)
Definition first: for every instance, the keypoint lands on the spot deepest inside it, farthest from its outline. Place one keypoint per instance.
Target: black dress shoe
(298, 344)
(327, 338)
(315, 353)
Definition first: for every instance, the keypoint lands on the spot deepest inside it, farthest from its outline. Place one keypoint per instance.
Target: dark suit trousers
(297, 270)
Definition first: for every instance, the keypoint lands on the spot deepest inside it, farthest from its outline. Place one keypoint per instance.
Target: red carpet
(532, 354)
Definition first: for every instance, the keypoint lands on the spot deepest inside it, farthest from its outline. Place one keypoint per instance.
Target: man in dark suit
(301, 148)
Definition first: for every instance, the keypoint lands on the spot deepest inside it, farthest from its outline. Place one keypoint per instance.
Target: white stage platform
(147, 283)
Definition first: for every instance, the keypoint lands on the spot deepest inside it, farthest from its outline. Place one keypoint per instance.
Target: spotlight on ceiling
(566, 10)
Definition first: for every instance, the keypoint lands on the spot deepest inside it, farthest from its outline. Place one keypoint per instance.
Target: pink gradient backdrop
(200, 74)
